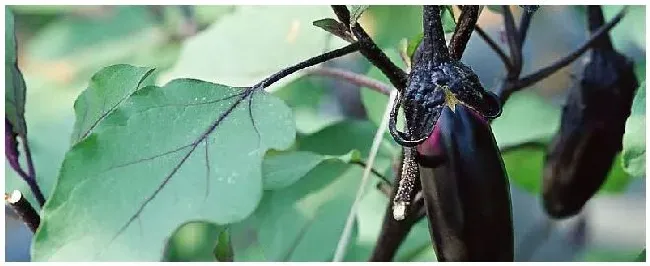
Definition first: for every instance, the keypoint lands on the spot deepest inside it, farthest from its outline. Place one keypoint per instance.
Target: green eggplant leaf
(190, 146)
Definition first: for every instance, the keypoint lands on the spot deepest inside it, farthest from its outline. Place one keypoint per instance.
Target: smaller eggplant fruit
(591, 129)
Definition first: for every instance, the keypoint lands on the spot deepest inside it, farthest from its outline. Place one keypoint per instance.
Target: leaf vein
(112, 108)
(247, 93)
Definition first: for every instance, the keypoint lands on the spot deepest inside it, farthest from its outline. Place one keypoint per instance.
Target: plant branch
(370, 51)
(495, 47)
(384, 188)
(12, 156)
(463, 31)
(307, 63)
(353, 78)
(562, 62)
(524, 25)
(31, 181)
(374, 171)
(514, 42)
(23, 209)
(433, 40)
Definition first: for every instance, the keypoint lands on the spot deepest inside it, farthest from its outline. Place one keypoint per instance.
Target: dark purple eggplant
(464, 183)
(467, 197)
(435, 72)
(592, 126)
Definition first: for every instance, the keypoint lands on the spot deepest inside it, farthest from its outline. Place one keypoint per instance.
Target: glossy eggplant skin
(591, 130)
(467, 197)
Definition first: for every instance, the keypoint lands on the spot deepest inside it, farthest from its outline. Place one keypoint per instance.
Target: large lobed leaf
(190, 146)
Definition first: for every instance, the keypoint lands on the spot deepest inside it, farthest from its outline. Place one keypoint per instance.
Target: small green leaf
(106, 91)
(348, 135)
(193, 241)
(355, 13)
(285, 168)
(448, 19)
(191, 146)
(223, 251)
(334, 27)
(634, 137)
(524, 167)
(14, 83)
(353, 156)
(413, 43)
(526, 118)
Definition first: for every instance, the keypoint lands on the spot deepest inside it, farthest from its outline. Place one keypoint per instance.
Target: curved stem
(370, 51)
(463, 31)
(31, 179)
(562, 62)
(373, 171)
(433, 41)
(307, 63)
(353, 78)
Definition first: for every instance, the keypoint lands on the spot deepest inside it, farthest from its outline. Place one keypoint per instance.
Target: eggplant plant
(230, 152)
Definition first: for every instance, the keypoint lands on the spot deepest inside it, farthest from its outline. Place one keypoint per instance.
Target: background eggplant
(592, 126)
(467, 197)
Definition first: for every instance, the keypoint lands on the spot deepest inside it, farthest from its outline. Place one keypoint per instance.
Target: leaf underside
(190, 146)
